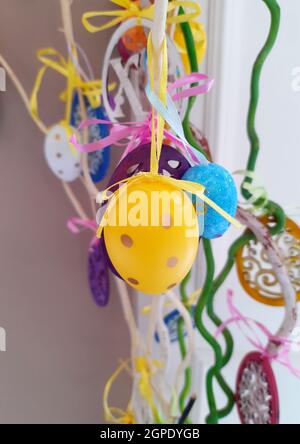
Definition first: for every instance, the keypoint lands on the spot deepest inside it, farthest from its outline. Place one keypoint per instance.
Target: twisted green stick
(180, 331)
(190, 45)
(274, 10)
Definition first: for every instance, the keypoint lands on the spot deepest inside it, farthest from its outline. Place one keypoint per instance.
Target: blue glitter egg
(221, 189)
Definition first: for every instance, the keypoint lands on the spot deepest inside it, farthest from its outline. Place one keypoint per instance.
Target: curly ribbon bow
(51, 58)
(143, 369)
(132, 9)
(281, 357)
(91, 89)
(76, 225)
(140, 132)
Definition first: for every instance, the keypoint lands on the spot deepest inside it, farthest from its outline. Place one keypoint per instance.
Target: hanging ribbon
(52, 59)
(158, 122)
(281, 357)
(164, 105)
(170, 115)
(195, 90)
(140, 132)
(76, 225)
(164, 113)
(144, 370)
(145, 373)
(126, 131)
(132, 9)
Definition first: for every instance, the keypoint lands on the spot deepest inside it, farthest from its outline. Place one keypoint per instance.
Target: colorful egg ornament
(256, 273)
(256, 391)
(171, 163)
(63, 161)
(151, 245)
(221, 189)
(135, 39)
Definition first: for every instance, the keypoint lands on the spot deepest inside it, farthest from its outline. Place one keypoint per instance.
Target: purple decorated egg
(171, 163)
(98, 272)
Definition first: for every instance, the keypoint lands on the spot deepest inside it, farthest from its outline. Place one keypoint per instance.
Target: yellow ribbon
(157, 133)
(52, 59)
(145, 372)
(132, 10)
(116, 415)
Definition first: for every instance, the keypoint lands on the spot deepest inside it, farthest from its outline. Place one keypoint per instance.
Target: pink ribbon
(189, 79)
(76, 225)
(140, 132)
(282, 356)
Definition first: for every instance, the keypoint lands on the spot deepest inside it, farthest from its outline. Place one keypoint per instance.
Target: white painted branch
(158, 35)
(159, 23)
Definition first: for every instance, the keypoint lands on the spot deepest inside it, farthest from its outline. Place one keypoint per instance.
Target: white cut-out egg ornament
(62, 160)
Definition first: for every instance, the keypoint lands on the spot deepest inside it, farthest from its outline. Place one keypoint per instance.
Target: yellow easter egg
(151, 234)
